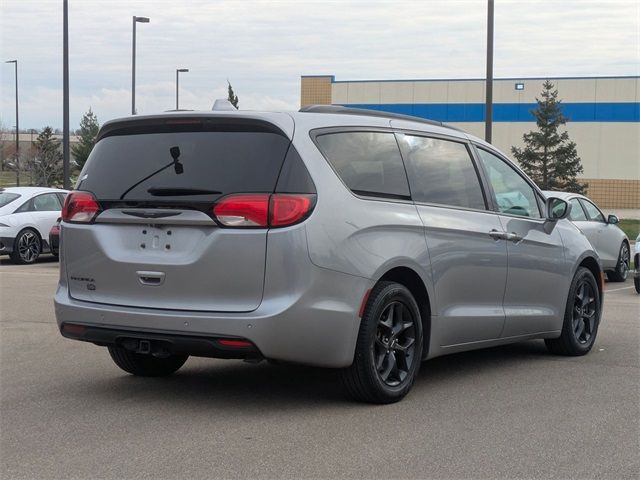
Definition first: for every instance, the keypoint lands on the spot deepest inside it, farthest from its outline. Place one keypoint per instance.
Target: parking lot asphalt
(66, 411)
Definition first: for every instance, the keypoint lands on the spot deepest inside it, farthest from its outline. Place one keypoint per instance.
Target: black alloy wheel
(395, 344)
(389, 346)
(584, 312)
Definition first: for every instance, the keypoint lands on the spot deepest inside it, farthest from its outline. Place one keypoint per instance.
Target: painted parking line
(617, 289)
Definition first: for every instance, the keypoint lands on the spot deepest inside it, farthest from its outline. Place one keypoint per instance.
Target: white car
(26, 216)
(609, 241)
(636, 262)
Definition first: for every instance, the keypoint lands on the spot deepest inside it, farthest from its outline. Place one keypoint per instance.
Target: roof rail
(339, 109)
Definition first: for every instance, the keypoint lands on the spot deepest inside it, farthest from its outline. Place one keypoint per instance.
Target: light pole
(133, 62)
(488, 110)
(178, 71)
(15, 62)
(65, 96)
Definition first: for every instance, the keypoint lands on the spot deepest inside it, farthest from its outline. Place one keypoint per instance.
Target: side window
(61, 197)
(514, 195)
(442, 172)
(369, 163)
(48, 202)
(25, 207)
(592, 211)
(577, 213)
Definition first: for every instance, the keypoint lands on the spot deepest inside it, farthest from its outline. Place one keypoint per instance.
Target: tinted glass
(577, 214)
(369, 163)
(594, 214)
(514, 195)
(211, 164)
(48, 202)
(442, 172)
(6, 198)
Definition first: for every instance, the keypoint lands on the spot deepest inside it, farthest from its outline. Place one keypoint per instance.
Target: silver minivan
(335, 237)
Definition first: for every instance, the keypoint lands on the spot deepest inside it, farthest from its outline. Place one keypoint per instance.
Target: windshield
(183, 166)
(6, 198)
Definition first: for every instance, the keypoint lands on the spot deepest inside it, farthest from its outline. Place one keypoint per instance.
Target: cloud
(263, 47)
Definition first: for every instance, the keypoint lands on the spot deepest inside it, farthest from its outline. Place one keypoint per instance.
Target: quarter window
(369, 163)
(595, 215)
(442, 172)
(514, 195)
(577, 213)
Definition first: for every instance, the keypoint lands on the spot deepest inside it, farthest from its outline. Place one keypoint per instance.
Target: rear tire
(622, 267)
(581, 317)
(27, 247)
(146, 365)
(636, 283)
(389, 346)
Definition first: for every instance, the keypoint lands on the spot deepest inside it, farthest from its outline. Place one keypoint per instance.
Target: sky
(263, 47)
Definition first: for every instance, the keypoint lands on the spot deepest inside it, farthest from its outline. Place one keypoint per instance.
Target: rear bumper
(161, 343)
(315, 323)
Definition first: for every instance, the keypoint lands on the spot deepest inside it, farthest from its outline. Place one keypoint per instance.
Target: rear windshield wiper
(178, 191)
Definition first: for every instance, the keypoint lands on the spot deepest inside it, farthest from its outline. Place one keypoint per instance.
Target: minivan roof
(315, 116)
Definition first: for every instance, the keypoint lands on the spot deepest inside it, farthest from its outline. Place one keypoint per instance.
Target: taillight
(263, 210)
(243, 210)
(80, 207)
(287, 209)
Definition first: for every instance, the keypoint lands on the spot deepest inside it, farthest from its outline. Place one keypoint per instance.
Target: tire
(389, 346)
(581, 317)
(146, 365)
(622, 267)
(636, 283)
(27, 247)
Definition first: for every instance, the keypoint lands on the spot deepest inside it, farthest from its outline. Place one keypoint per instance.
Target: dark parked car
(54, 238)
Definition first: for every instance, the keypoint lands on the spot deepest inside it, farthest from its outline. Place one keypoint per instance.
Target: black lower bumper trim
(161, 344)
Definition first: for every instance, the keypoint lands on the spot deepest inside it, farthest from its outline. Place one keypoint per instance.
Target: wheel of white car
(622, 267)
(26, 247)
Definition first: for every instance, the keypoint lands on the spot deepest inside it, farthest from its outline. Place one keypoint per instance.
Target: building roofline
(586, 77)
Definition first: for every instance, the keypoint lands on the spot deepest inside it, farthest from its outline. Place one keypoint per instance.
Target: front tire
(146, 365)
(622, 267)
(27, 247)
(581, 317)
(389, 346)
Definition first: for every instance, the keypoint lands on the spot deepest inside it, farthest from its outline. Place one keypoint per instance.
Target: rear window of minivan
(140, 166)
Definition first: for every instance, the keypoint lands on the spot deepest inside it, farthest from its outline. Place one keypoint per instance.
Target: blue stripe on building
(511, 112)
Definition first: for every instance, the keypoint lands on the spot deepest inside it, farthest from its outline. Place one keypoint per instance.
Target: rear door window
(442, 172)
(369, 163)
(210, 164)
(49, 202)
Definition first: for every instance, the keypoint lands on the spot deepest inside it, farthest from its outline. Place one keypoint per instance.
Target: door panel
(469, 270)
(537, 281)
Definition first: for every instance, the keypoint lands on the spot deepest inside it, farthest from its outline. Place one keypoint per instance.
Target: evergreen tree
(46, 164)
(232, 97)
(549, 157)
(88, 132)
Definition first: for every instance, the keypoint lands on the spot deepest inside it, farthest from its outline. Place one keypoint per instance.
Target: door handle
(497, 235)
(512, 237)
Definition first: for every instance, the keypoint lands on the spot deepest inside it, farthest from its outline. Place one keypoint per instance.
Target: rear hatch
(155, 242)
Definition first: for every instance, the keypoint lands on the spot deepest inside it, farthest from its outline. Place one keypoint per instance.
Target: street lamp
(488, 108)
(178, 71)
(15, 62)
(133, 62)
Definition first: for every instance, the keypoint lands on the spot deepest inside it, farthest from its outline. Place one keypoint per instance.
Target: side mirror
(557, 209)
(612, 219)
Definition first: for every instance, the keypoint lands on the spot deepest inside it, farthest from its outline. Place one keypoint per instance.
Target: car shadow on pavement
(203, 383)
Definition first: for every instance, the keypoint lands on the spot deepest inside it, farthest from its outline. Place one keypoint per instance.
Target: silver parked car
(333, 237)
(608, 239)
